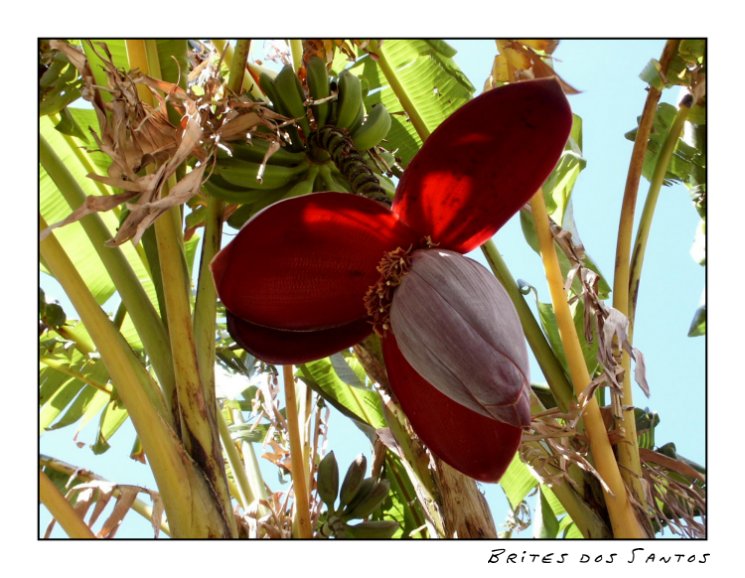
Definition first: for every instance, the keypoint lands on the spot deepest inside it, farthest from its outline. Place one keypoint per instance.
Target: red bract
(312, 275)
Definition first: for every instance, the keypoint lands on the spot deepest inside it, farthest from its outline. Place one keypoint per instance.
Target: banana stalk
(199, 429)
(186, 495)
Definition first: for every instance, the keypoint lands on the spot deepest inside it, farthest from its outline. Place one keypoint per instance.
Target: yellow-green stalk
(198, 424)
(628, 448)
(62, 510)
(186, 496)
(621, 513)
(297, 461)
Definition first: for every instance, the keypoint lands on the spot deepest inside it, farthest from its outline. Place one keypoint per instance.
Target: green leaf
(362, 405)
(692, 49)
(67, 125)
(59, 85)
(698, 324)
(651, 75)
(71, 168)
(401, 505)
(517, 482)
(646, 422)
(57, 401)
(71, 389)
(87, 121)
(430, 78)
(547, 525)
(547, 318)
(688, 164)
(557, 190)
(112, 418)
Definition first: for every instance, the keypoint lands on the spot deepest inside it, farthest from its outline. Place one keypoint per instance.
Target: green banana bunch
(256, 150)
(373, 129)
(262, 177)
(372, 529)
(349, 109)
(318, 87)
(291, 97)
(304, 186)
(218, 187)
(370, 496)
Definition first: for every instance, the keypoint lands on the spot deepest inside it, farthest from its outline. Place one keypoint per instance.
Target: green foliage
(688, 165)
(548, 323)
(430, 78)
(698, 323)
(362, 405)
(75, 386)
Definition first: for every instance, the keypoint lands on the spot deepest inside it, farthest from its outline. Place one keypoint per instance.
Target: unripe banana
(257, 176)
(269, 88)
(291, 96)
(266, 83)
(368, 502)
(373, 129)
(253, 201)
(218, 187)
(357, 122)
(318, 85)
(352, 480)
(256, 149)
(372, 529)
(328, 479)
(330, 181)
(350, 99)
(305, 186)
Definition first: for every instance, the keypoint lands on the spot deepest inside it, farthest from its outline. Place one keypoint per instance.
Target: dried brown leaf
(91, 205)
(105, 493)
(127, 496)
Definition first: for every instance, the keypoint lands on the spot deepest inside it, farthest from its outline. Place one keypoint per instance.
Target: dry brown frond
(678, 492)
(146, 148)
(91, 498)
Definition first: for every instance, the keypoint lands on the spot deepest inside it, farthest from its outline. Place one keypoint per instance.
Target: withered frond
(146, 148)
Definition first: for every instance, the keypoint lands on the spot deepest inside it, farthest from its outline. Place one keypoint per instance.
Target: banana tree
(304, 225)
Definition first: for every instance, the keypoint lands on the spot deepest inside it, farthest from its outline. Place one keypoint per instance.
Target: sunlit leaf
(698, 324)
(112, 418)
(517, 482)
(362, 405)
(429, 76)
(547, 525)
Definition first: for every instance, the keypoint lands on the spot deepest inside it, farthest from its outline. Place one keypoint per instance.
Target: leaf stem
(550, 365)
(62, 510)
(378, 48)
(144, 317)
(199, 430)
(83, 475)
(245, 495)
(237, 70)
(185, 493)
(302, 508)
(628, 449)
(658, 179)
(622, 515)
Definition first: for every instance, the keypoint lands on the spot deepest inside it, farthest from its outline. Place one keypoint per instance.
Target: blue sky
(612, 97)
